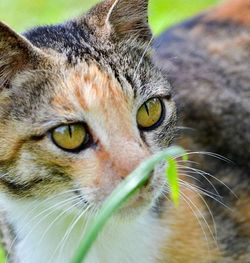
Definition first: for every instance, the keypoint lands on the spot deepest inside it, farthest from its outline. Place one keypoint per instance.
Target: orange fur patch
(233, 10)
(242, 214)
(60, 102)
(93, 89)
(190, 240)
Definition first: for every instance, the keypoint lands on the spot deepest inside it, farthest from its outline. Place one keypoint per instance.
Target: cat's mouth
(142, 198)
(146, 196)
(81, 199)
(140, 201)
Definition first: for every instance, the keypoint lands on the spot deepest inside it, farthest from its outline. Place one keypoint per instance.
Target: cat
(86, 102)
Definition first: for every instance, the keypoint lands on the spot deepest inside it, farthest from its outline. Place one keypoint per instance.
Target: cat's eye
(150, 114)
(71, 137)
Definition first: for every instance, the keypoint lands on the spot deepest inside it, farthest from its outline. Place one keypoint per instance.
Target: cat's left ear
(120, 19)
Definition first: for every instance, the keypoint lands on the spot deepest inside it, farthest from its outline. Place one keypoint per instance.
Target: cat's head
(81, 105)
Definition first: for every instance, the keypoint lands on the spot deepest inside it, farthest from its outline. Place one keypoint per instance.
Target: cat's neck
(54, 237)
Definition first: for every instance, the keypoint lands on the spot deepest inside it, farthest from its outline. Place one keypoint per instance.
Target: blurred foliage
(2, 256)
(164, 13)
(24, 14)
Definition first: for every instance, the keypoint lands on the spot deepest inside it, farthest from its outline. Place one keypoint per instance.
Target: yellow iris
(150, 113)
(69, 137)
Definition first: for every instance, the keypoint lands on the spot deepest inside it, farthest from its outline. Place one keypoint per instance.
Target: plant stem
(134, 181)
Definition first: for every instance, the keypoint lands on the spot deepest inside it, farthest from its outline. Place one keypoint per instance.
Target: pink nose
(125, 159)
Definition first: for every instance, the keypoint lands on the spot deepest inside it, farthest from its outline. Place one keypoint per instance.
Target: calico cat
(81, 105)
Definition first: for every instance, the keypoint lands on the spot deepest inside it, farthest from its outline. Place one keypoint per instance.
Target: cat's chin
(142, 202)
(131, 212)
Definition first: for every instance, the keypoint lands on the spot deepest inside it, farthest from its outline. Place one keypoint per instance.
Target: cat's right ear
(16, 54)
(120, 19)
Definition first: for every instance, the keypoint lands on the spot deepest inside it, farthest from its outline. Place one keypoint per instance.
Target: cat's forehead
(83, 92)
(77, 43)
(90, 87)
(129, 60)
(84, 74)
(69, 39)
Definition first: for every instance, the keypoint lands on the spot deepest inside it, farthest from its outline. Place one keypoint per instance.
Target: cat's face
(81, 110)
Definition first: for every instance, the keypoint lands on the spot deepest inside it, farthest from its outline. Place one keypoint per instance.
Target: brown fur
(120, 19)
(99, 74)
(207, 61)
(16, 54)
(241, 214)
(237, 11)
(190, 239)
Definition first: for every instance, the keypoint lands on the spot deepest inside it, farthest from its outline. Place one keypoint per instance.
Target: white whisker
(67, 234)
(209, 210)
(142, 57)
(58, 205)
(196, 171)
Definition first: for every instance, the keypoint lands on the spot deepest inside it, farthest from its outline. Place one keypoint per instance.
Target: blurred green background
(24, 14)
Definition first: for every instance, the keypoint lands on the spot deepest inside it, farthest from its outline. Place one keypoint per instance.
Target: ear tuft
(15, 54)
(121, 19)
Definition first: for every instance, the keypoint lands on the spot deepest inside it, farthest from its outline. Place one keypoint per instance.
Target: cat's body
(97, 70)
(207, 61)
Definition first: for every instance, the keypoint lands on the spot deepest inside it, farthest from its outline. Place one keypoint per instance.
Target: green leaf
(173, 180)
(2, 256)
(119, 196)
(185, 157)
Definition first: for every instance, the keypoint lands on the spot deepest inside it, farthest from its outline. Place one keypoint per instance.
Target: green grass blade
(185, 157)
(134, 181)
(172, 177)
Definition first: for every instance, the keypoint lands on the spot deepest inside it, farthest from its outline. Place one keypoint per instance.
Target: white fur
(128, 241)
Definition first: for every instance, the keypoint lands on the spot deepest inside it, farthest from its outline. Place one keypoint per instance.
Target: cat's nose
(127, 158)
